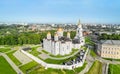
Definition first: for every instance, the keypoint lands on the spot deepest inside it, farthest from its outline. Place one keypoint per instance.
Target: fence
(55, 66)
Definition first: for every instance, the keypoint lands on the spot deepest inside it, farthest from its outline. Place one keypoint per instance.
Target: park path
(55, 58)
(105, 63)
(86, 69)
(90, 61)
(10, 51)
(18, 71)
(61, 58)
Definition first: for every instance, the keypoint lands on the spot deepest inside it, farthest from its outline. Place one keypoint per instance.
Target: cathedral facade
(61, 45)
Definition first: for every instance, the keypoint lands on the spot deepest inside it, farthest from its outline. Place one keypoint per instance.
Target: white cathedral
(61, 45)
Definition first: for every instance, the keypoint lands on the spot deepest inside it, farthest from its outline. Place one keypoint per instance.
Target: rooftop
(112, 42)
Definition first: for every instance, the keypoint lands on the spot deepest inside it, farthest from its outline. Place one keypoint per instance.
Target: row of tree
(27, 38)
(111, 37)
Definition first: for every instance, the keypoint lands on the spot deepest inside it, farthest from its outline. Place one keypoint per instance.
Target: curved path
(105, 62)
(61, 58)
(58, 58)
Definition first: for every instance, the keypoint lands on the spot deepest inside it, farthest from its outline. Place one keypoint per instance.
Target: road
(89, 61)
(105, 64)
(18, 71)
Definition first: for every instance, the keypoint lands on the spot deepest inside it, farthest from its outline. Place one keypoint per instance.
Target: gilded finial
(79, 22)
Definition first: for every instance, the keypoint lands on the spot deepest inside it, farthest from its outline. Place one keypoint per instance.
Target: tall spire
(68, 34)
(79, 24)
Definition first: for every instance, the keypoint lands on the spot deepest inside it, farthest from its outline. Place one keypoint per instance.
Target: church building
(61, 45)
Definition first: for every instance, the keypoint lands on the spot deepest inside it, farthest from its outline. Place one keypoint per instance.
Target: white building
(63, 45)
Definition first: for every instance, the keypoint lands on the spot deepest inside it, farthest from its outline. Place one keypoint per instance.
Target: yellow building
(110, 49)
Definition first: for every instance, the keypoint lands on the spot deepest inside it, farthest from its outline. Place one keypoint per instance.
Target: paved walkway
(18, 71)
(89, 64)
(10, 51)
(45, 56)
(104, 68)
(61, 58)
(22, 57)
(90, 61)
(42, 55)
(107, 61)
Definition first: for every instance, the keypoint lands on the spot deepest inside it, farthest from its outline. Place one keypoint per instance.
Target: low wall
(55, 66)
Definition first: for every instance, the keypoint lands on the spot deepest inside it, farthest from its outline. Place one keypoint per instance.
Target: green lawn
(80, 68)
(28, 66)
(111, 59)
(5, 49)
(13, 58)
(52, 61)
(96, 68)
(92, 53)
(59, 56)
(5, 68)
(34, 51)
(45, 51)
(114, 69)
(88, 41)
(42, 70)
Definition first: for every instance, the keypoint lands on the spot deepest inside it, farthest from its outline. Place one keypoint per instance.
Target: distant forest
(27, 37)
(111, 37)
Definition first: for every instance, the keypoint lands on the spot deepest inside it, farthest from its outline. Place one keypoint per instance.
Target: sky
(60, 11)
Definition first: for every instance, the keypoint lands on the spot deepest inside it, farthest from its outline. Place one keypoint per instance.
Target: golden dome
(68, 32)
(48, 33)
(56, 34)
(60, 29)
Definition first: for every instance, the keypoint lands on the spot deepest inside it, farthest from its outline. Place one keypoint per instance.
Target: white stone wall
(44, 44)
(62, 49)
(56, 48)
(76, 46)
(69, 47)
(55, 66)
(82, 41)
(53, 47)
(47, 45)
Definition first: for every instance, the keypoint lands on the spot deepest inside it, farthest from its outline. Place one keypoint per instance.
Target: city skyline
(63, 11)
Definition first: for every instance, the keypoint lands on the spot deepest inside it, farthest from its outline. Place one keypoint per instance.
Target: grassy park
(96, 68)
(28, 66)
(59, 56)
(114, 69)
(92, 53)
(53, 61)
(5, 49)
(13, 58)
(35, 68)
(42, 70)
(34, 51)
(5, 68)
(88, 41)
(48, 60)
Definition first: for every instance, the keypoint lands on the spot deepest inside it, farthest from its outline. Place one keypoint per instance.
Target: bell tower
(79, 30)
